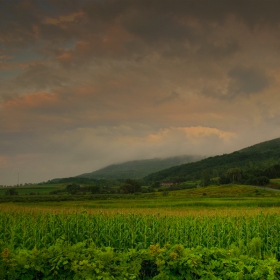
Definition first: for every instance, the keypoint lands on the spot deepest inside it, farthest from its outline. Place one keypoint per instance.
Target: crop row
(124, 231)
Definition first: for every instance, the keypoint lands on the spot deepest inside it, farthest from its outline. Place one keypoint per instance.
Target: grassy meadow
(39, 189)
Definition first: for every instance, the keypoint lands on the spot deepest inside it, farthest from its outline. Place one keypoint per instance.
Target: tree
(206, 178)
(155, 185)
(130, 186)
(258, 181)
(224, 180)
(11, 192)
(73, 188)
(95, 189)
(234, 174)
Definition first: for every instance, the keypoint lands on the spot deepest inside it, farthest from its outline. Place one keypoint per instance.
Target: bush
(85, 261)
(11, 191)
(258, 181)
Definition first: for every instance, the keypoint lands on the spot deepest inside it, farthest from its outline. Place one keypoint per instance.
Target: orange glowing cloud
(65, 57)
(31, 100)
(200, 131)
(193, 132)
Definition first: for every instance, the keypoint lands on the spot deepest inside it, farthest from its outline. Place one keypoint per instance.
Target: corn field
(124, 231)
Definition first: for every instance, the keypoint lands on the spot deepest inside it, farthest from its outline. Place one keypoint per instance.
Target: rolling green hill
(260, 156)
(138, 168)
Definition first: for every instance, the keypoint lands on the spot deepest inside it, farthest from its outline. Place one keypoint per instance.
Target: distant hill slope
(138, 168)
(258, 156)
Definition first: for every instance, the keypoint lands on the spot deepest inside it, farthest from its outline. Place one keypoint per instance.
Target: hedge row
(85, 261)
(77, 197)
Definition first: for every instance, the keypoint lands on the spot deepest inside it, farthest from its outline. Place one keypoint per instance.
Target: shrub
(85, 261)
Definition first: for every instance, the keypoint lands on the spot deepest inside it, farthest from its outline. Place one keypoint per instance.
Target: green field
(222, 229)
(124, 230)
(34, 189)
(212, 196)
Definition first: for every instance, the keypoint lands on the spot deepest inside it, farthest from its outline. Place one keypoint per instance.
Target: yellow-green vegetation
(123, 231)
(64, 243)
(85, 261)
(223, 191)
(274, 183)
(81, 207)
(275, 180)
(224, 232)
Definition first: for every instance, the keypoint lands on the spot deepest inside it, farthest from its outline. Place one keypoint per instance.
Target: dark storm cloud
(22, 23)
(150, 20)
(249, 10)
(17, 19)
(107, 11)
(166, 26)
(247, 81)
(58, 7)
(212, 50)
(154, 27)
(252, 12)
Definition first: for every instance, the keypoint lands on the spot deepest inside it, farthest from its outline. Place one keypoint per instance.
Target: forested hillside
(261, 159)
(138, 168)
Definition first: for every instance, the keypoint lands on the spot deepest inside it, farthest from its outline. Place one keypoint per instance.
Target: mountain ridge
(137, 169)
(260, 155)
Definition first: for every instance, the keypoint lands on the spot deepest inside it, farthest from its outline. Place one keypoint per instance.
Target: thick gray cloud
(156, 28)
(173, 96)
(253, 12)
(247, 81)
(90, 82)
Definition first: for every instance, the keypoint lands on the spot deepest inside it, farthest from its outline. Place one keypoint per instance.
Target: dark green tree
(130, 186)
(234, 174)
(73, 188)
(155, 185)
(95, 189)
(206, 178)
(224, 179)
(11, 192)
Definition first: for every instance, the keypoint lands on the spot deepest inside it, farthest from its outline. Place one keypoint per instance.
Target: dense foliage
(85, 261)
(59, 197)
(78, 245)
(80, 180)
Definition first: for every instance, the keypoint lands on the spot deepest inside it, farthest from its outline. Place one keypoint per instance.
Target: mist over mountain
(261, 156)
(138, 168)
(262, 159)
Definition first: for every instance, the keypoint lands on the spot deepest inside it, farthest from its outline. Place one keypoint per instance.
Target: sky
(88, 83)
